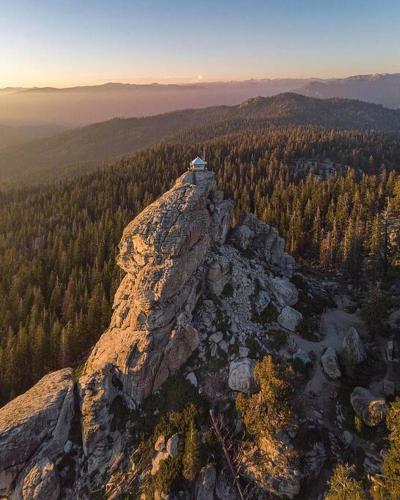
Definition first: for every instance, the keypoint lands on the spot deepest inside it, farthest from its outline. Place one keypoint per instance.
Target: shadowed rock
(33, 430)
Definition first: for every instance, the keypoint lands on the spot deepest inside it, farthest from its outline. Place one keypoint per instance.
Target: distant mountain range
(379, 89)
(79, 150)
(78, 106)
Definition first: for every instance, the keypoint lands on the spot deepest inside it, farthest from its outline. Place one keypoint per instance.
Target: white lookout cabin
(198, 164)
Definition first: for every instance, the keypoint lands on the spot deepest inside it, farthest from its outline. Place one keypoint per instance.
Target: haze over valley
(84, 105)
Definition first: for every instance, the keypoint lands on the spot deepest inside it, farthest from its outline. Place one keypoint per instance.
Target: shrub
(167, 475)
(343, 486)
(278, 339)
(358, 424)
(266, 413)
(268, 315)
(307, 328)
(228, 290)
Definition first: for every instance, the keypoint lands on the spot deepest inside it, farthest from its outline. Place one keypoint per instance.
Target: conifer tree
(391, 464)
(191, 458)
(343, 486)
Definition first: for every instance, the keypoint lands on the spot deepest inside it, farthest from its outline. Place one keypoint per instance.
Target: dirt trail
(333, 326)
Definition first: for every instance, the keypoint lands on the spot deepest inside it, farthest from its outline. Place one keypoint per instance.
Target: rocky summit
(195, 300)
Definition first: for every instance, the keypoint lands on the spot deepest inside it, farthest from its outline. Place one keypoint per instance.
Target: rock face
(330, 364)
(264, 242)
(370, 408)
(353, 349)
(163, 252)
(33, 431)
(191, 285)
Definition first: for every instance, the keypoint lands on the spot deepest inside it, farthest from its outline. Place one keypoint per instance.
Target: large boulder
(353, 351)
(370, 408)
(284, 291)
(241, 375)
(289, 318)
(330, 364)
(34, 428)
(164, 252)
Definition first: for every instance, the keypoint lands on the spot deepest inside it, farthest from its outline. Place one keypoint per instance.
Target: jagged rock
(173, 445)
(241, 375)
(41, 482)
(34, 428)
(163, 251)
(353, 351)
(330, 364)
(367, 406)
(263, 241)
(284, 291)
(173, 253)
(242, 236)
(218, 275)
(205, 483)
(289, 318)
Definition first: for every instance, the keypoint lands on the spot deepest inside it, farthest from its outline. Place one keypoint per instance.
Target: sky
(78, 42)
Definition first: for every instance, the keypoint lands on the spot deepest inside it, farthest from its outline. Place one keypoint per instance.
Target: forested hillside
(82, 150)
(58, 243)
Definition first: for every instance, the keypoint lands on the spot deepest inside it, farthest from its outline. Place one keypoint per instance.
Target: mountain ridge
(85, 104)
(80, 150)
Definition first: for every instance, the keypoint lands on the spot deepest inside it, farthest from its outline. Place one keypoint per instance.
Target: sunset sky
(74, 42)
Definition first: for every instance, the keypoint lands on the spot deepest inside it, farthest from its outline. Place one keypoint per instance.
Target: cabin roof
(198, 162)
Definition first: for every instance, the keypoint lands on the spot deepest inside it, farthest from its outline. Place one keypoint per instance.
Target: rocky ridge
(195, 289)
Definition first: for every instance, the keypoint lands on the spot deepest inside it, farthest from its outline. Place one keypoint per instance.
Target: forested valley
(58, 242)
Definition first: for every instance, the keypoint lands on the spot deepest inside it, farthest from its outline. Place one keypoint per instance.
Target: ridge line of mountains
(80, 150)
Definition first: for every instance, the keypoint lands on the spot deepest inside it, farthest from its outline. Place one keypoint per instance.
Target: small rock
(216, 337)
(241, 375)
(330, 363)
(347, 437)
(223, 346)
(191, 377)
(68, 447)
(244, 352)
(173, 445)
(289, 318)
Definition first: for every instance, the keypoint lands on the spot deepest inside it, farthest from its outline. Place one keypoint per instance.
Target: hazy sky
(67, 42)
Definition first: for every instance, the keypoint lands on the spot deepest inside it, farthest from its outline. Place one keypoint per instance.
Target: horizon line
(188, 82)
